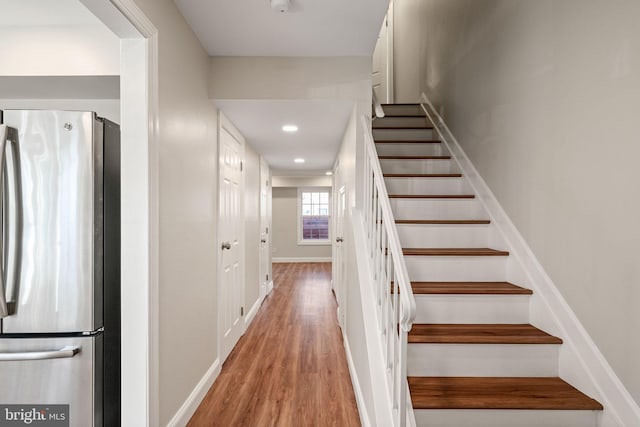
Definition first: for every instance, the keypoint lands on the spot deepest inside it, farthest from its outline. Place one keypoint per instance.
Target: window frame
(313, 242)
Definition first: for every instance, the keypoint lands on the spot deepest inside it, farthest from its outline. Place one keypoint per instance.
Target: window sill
(314, 242)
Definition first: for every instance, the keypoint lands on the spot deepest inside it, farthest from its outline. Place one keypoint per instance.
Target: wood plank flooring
(290, 368)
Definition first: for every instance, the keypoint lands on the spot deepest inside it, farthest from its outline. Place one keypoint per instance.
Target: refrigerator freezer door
(74, 380)
(59, 171)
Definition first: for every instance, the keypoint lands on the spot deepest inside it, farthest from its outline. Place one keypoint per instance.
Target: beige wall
(544, 98)
(290, 78)
(188, 209)
(285, 230)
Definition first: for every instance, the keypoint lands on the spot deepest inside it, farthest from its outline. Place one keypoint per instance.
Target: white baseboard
(188, 408)
(581, 362)
(308, 259)
(364, 417)
(248, 318)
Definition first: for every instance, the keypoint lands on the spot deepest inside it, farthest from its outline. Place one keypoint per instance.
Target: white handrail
(396, 305)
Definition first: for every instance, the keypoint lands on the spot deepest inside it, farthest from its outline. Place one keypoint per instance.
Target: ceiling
(321, 127)
(310, 28)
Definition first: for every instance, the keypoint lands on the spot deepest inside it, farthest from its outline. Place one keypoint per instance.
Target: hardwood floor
(289, 369)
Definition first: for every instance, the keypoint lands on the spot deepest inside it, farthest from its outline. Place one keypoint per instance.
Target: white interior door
(231, 286)
(340, 268)
(383, 60)
(265, 230)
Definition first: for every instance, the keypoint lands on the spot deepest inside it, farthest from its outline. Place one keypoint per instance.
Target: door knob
(226, 245)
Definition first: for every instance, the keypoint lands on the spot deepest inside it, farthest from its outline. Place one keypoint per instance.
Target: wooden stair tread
(537, 393)
(414, 157)
(479, 334)
(444, 221)
(422, 175)
(413, 141)
(453, 252)
(410, 104)
(401, 115)
(426, 126)
(468, 288)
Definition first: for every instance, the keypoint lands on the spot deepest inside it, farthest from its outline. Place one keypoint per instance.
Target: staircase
(473, 359)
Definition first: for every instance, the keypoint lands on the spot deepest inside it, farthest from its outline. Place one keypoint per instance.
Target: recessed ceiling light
(298, 160)
(290, 128)
(328, 173)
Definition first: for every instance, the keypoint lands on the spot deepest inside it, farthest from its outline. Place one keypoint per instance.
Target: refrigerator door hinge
(241, 311)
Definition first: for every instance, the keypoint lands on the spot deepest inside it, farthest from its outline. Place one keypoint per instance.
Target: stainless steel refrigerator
(60, 275)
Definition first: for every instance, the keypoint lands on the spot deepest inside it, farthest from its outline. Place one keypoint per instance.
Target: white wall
(543, 96)
(354, 331)
(285, 228)
(59, 51)
(188, 209)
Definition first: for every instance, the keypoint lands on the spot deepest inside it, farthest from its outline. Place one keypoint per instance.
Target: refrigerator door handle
(4, 132)
(12, 246)
(66, 352)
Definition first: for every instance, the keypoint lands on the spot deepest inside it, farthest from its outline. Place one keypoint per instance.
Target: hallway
(289, 369)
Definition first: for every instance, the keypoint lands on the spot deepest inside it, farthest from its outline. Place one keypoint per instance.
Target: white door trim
(390, 84)
(140, 209)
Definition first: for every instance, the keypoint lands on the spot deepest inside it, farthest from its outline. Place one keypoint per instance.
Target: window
(313, 216)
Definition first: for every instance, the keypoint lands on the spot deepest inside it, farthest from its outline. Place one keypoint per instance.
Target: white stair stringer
(482, 360)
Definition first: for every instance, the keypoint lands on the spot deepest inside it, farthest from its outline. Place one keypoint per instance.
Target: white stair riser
(400, 109)
(403, 134)
(456, 268)
(418, 166)
(406, 185)
(504, 418)
(443, 236)
(437, 209)
(472, 309)
(482, 360)
(401, 121)
(409, 149)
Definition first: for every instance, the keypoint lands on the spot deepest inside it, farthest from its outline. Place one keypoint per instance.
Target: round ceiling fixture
(280, 5)
(290, 128)
(298, 160)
